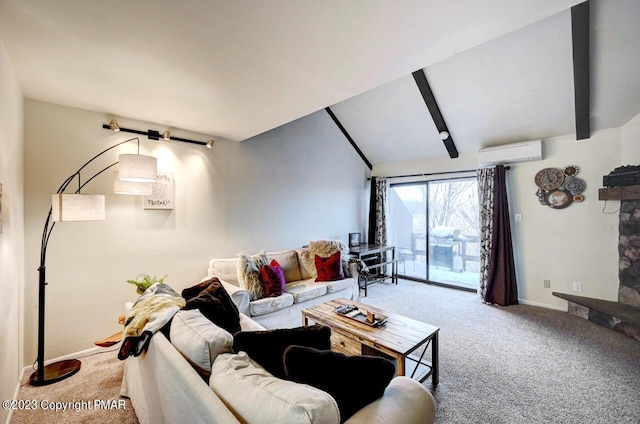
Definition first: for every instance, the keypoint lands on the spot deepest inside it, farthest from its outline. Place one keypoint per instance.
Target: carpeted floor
(511, 365)
(520, 364)
(98, 379)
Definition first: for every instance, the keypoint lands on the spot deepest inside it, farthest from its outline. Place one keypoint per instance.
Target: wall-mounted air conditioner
(523, 151)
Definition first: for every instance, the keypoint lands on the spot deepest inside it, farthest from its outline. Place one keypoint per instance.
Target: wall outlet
(577, 287)
(518, 217)
(547, 284)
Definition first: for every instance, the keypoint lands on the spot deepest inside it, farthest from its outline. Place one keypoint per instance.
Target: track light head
(444, 135)
(210, 144)
(166, 136)
(113, 124)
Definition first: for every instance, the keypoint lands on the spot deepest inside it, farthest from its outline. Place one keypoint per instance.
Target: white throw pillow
(256, 396)
(199, 340)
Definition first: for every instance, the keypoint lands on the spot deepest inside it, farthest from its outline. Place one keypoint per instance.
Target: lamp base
(55, 372)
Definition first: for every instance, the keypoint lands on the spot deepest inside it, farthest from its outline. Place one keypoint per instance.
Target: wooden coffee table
(397, 339)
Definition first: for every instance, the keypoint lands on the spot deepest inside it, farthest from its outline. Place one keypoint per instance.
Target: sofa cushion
(272, 279)
(353, 381)
(336, 286)
(225, 269)
(199, 340)
(305, 290)
(270, 304)
(329, 269)
(288, 260)
(249, 274)
(255, 396)
(267, 347)
(213, 301)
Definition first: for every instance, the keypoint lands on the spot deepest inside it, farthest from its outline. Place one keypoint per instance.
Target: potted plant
(144, 281)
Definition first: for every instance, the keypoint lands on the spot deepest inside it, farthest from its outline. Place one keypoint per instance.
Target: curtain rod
(428, 174)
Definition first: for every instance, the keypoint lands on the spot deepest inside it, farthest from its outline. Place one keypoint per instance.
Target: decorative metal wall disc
(575, 185)
(559, 199)
(558, 189)
(549, 178)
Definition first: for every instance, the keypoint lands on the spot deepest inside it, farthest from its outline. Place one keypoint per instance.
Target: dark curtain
(371, 235)
(377, 233)
(501, 287)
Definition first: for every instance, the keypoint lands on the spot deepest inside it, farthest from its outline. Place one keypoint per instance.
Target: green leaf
(144, 281)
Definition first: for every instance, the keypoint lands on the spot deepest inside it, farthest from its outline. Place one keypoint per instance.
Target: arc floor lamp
(135, 175)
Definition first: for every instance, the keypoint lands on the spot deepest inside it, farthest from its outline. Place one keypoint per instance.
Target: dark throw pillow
(267, 347)
(272, 279)
(329, 269)
(353, 381)
(213, 301)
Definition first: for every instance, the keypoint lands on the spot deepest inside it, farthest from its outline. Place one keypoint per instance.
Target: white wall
(578, 243)
(279, 190)
(630, 134)
(12, 237)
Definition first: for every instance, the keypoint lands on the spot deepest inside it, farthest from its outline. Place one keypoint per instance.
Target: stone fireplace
(624, 315)
(629, 250)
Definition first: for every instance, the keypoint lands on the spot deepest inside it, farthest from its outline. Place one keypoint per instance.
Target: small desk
(362, 251)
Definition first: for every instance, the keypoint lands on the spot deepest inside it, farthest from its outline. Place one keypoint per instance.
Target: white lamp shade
(130, 187)
(77, 207)
(138, 168)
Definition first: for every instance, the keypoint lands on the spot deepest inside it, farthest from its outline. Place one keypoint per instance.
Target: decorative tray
(366, 317)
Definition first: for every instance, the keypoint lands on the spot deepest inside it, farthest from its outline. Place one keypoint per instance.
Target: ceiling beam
(427, 95)
(348, 137)
(581, 79)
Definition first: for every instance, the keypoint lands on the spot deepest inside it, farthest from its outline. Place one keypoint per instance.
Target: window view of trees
(454, 204)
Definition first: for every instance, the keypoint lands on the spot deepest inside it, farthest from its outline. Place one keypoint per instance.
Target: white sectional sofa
(302, 291)
(164, 386)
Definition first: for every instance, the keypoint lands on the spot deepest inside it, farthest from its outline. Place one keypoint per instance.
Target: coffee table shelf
(398, 339)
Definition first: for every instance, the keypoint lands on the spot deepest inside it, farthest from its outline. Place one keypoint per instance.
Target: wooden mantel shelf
(631, 192)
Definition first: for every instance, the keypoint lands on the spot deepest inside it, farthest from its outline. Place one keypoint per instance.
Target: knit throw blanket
(155, 308)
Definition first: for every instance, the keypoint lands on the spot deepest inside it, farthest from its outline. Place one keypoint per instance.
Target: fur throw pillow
(249, 274)
(324, 249)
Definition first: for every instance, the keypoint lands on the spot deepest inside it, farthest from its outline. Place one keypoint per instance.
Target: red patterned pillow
(272, 278)
(329, 269)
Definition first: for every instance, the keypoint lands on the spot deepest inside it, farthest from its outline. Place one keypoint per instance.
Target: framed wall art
(163, 194)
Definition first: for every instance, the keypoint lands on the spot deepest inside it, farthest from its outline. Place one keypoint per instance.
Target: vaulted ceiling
(501, 71)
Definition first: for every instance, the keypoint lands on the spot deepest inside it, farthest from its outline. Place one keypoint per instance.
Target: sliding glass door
(407, 226)
(435, 227)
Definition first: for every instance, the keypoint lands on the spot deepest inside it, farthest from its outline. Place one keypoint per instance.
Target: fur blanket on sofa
(155, 308)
